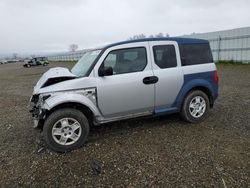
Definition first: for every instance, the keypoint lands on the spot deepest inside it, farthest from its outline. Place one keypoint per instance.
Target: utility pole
(219, 46)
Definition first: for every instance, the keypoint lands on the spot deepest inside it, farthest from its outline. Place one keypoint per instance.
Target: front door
(126, 92)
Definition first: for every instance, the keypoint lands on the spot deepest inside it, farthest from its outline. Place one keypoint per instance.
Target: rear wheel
(195, 107)
(65, 130)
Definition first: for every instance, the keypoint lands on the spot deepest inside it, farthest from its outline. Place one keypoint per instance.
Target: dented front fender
(86, 98)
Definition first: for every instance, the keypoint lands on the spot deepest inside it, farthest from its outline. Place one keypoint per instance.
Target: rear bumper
(216, 91)
(214, 94)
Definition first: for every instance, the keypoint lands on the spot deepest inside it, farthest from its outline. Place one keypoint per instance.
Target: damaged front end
(59, 86)
(38, 109)
(44, 103)
(37, 101)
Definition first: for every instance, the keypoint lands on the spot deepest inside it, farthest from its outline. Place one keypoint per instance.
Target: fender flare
(187, 87)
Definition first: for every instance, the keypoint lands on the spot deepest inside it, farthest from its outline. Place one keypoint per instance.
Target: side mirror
(105, 71)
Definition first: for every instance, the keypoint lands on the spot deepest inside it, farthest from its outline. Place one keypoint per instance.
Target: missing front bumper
(35, 123)
(38, 116)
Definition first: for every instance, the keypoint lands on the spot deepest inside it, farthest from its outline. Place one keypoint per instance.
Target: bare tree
(159, 35)
(73, 47)
(14, 56)
(140, 36)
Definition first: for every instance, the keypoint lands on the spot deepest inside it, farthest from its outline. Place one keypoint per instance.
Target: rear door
(166, 64)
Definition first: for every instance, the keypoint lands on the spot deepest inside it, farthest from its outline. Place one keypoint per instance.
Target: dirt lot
(160, 152)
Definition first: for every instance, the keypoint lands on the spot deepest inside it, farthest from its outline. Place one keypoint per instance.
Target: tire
(195, 107)
(28, 66)
(64, 123)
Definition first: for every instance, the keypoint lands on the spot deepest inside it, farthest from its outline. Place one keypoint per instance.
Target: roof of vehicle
(179, 40)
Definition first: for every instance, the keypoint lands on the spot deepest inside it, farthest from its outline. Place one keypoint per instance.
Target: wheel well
(207, 92)
(84, 109)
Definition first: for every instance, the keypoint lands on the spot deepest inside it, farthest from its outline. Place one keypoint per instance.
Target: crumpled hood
(53, 73)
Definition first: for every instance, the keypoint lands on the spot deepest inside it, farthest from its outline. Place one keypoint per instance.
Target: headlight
(34, 99)
(45, 97)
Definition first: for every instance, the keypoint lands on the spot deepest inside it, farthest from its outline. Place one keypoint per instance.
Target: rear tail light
(216, 77)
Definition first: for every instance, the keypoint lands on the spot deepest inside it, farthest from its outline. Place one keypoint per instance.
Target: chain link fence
(68, 56)
(228, 45)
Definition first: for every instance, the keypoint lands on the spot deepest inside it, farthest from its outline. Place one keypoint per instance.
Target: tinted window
(126, 60)
(192, 54)
(165, 56)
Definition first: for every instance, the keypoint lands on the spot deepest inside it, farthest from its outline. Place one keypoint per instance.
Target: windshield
(82, 67)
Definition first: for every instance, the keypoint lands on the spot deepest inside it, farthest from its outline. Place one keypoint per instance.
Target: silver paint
(122, 96)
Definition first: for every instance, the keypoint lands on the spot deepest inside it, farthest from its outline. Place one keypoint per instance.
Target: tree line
(143, 36)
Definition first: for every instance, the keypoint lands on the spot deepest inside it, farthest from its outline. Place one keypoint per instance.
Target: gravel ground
(158, 152)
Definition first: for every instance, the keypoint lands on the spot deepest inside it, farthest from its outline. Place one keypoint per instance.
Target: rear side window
(193, 54)
(165, 56)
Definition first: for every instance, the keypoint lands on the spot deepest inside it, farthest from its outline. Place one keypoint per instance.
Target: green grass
(232, 62)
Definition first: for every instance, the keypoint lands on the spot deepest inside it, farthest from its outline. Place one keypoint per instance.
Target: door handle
(150, 80)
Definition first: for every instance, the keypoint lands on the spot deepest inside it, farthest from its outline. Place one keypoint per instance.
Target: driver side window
(126, 60)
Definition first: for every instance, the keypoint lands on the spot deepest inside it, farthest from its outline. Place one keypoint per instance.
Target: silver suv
(149, 77)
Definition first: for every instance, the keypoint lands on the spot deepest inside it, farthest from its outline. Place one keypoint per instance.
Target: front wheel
(65, 130)
(195, 107)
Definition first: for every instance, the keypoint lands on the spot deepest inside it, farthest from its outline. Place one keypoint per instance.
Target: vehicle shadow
(131, 125)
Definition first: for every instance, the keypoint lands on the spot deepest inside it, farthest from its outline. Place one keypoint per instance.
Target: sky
(48, 26)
